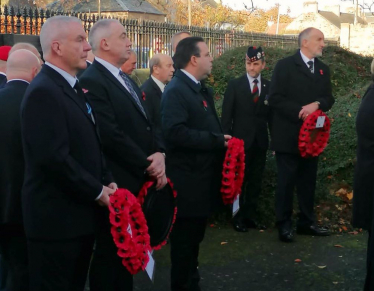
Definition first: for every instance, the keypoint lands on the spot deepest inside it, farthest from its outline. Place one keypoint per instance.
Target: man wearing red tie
(245, 115)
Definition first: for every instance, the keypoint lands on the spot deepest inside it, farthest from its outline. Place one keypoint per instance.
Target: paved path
(257, 261)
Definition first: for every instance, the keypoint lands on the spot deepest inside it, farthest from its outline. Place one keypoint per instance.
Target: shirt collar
(69, 78)
(251, 79)
(2, 73)
(159, 83)
(113, 69)
(18, 80)
(305, 58)
(190, 76)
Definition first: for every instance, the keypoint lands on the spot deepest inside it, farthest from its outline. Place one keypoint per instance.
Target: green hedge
(349, 76)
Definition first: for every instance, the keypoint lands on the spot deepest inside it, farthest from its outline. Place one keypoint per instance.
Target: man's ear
(56, 48)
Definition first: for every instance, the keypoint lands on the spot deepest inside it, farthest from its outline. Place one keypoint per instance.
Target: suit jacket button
(148, 128)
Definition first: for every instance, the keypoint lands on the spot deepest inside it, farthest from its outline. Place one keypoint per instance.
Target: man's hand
(104, 199)
(227, 138)
(113, 186)
(161, 182)
(157, 166)
(308, 109)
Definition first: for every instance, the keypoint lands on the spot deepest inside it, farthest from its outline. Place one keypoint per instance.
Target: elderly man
(176, 38)
(130, 142)
(161, 69)
(22, 67)
(195, 146)
(65, 173)
(300, 85)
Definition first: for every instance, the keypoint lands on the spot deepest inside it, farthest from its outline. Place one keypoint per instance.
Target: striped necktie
(132, 91)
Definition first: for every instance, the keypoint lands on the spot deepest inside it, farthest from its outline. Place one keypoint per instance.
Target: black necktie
(310, 66)
(83, 99)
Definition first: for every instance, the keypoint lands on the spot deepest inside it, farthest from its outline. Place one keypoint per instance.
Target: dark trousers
(14, 254)
(107, 273)
(369, 281)
(4, 273)
(60, 265)
(185, 238)
(255, 159)
(295, 171)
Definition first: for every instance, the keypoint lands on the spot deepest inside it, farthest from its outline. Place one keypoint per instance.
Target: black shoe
(254, 224)
(313, 230)
(286, 233)
(239, 226)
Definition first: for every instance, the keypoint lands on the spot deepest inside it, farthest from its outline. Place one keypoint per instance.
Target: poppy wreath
(129, 230)
(233, 170)
(312, 140)
(141, 196)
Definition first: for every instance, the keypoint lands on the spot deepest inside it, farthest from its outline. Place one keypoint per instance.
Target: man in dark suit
(22, 67)
(65, 170)
(131, 147)
(245, 115)
(300, 85)
(161, 69)
(195, 147)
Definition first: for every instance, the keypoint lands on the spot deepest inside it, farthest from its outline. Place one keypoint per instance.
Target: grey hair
(154, 61)
(54, 27)
(98, 31)
(304, 35)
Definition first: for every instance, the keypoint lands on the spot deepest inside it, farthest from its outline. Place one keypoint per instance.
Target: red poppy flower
(321, 72)
(143, 96)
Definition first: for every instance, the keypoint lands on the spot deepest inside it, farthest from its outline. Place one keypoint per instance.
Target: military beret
(4, 51)
(255, 53)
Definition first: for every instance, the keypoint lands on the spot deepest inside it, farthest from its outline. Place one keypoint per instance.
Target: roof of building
(140, 6)
(344, 18)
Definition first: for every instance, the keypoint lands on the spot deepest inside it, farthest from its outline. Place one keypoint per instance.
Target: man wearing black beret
(245, 115)
(300, 85)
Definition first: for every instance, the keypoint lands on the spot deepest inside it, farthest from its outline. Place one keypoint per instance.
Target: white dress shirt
(190, 76)
(306, 60)
(250, 79)
(159, 83)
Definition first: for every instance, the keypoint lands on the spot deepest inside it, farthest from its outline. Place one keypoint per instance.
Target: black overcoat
(195, 145)
(12, 163)
(152, 100)
(65, 169)
(293, 86)
(241, 117)
(363, 191)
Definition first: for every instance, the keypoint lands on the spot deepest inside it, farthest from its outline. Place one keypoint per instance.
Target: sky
(294, 5)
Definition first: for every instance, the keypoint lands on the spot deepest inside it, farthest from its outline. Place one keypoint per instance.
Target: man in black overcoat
(130, 143)
(195, 147)
(65, 174)
(161, 72)
(22, 67)
(300, 85)
(245, 115)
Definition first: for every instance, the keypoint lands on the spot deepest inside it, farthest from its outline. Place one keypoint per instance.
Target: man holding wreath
(300, 85)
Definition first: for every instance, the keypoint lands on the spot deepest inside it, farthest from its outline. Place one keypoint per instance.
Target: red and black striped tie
(255, 91)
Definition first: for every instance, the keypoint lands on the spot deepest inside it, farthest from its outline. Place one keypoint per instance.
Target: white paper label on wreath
(320, 121)
(235, 205)
(129, 229)
(150, 269)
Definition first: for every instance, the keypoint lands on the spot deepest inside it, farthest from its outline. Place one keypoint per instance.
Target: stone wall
(358, 38)
(313, 20)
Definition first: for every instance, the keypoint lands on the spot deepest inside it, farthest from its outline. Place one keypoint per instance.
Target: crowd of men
(70, 142)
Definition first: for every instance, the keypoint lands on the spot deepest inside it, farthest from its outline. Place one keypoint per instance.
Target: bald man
(22, 67)
(176, 38)
(65, 177)
(300, 85)
(162, 70)
(26, 46)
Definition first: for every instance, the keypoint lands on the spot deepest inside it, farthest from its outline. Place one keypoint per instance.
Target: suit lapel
(301, 66)
(117, 83)
(261, 99)
(156, 88)
(68, 90)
